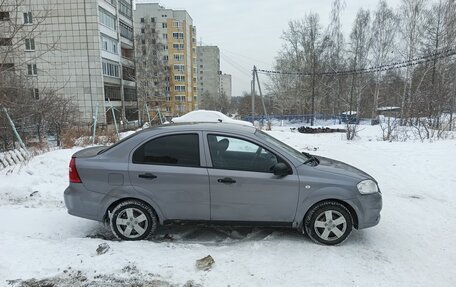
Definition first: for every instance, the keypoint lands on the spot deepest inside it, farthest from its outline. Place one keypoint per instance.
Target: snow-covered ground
(414, 244)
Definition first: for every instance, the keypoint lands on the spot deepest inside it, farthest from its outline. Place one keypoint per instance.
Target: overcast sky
(248, 32)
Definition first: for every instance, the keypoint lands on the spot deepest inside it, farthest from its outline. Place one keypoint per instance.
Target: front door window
(239, 154)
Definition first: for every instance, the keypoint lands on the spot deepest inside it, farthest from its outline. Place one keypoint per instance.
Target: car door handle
(227, 180)
(147, 176)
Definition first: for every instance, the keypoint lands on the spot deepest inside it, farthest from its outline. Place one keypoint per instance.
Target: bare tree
(412, 18)
(359, 48)
(152, 70)
(384, 29)
(336, 56)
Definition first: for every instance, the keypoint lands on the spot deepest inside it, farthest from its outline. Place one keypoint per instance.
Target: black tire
(328, 231)
(133, 220)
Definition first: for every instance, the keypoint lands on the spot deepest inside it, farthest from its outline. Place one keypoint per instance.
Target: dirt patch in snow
(78, 279)
(204, 234)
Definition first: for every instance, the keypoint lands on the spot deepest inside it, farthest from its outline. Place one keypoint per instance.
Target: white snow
(412, 246)
(208, 117)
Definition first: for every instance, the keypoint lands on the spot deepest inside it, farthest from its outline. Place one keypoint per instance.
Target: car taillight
(73, 172)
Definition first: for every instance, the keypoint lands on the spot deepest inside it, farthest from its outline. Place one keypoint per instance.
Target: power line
(395, 65)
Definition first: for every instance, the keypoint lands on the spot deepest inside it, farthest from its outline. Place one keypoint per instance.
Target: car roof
(213, 127)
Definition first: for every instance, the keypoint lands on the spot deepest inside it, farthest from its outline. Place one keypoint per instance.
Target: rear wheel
(133, 220)
(328, 223)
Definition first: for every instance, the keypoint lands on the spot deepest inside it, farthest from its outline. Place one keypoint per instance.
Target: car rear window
(179, 150)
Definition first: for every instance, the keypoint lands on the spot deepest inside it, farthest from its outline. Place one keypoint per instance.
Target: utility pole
(253, 94)
(261, 95)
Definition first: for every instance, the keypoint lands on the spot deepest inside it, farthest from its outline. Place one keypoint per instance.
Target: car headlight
(367, 187)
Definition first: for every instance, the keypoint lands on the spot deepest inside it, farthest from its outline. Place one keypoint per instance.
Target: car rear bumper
(368, 209)
(83, 203)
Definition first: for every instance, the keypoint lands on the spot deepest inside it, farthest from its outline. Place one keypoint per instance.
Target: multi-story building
(225, 85)
(82, 50)
(208, 72)
(170, 34)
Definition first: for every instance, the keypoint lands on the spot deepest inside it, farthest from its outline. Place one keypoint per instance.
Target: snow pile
(412, 246)
(208, 117)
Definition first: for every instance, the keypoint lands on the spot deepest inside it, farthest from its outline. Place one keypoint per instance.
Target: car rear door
(168, 170)
(243, 188)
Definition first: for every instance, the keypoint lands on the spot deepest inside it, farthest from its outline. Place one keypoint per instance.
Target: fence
(13, 157)
(306, 118)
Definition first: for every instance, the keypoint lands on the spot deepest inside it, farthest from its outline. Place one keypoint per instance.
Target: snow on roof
(349, 113)
(207, 116)
(388, 108)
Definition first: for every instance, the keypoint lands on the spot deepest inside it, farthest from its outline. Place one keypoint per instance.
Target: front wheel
(133, 220)
(328, 223)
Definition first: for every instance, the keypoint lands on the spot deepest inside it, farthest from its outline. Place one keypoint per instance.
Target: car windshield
(298, 155)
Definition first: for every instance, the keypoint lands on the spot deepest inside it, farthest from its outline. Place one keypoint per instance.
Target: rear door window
(178, 150)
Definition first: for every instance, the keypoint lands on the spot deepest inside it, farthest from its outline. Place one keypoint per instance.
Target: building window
(143, 30)
(109, 45)
(152, 20)
(4, 16)
(178, 35)
(126, 31)
(179, 68)
(165, 58)
(179, 88)
(164, 25)
(164, 16)
(179, 57)
(178, 46)
(125, 8)
(112, 93)
(30, 44)
(107, 19)
(168, 109)
(181, 109)
(177, 24)
(6, 67)
(35, 93)
(142, 20)
(32, 70)
(180, 98)
(165, 36)
(112, 2)
(179, 78)
(6, 41)
(28, 19)
(165, 47)
(130, 94)
(110, 69)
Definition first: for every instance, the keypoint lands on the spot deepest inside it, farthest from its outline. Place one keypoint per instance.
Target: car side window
(178, 150)
(239, 154)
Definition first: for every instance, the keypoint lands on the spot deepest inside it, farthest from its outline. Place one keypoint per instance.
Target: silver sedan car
(218, 174)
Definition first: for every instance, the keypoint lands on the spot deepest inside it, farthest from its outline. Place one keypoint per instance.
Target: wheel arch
(116, 202)
(350, 208)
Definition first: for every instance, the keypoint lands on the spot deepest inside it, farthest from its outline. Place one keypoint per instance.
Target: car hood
(340, 168)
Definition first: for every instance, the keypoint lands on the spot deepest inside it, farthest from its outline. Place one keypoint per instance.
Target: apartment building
(225, 85)
(169, 34)
(208, 72)
(82, 50)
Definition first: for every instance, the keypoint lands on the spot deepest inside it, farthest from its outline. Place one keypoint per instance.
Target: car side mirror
(281, 169)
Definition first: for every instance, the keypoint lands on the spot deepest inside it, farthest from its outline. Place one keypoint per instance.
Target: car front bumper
(367, 207)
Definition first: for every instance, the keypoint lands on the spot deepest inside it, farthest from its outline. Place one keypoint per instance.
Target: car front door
(168, 170)
(242, 184)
